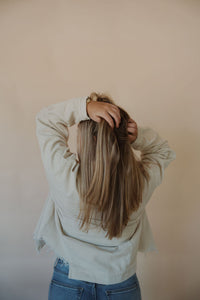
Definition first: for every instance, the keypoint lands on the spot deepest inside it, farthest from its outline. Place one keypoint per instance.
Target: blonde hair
(110, 179)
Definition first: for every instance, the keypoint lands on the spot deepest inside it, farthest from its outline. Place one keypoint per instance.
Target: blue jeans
(62, 288)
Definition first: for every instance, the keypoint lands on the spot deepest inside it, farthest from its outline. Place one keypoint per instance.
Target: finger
(115, 113)
(97, 119)
(130, 120)
(132, 135)
(131, 125)
(132, 130)
(108, 118)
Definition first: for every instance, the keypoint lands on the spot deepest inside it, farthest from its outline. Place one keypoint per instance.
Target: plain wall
(146, 55)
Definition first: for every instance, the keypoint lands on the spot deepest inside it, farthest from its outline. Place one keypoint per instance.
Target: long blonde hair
(110, 179)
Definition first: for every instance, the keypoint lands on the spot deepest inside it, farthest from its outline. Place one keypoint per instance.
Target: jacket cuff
(83, 108)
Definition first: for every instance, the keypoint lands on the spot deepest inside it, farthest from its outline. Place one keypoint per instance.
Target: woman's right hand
(132, 130)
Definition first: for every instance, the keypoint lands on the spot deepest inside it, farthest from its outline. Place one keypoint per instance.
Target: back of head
(110, 179)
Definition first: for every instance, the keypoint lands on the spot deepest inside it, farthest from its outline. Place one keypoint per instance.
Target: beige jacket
(91, 256)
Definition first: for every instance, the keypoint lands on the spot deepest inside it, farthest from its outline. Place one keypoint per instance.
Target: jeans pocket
(62, 291)
(131, 292)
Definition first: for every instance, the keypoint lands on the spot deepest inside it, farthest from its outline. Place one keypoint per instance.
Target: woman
(105, 190)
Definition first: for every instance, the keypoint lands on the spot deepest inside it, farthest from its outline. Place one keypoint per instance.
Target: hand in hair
(97, 110)
(132, 130)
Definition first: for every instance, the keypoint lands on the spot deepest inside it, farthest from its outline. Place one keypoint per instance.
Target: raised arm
(52, 133)
(155, 151)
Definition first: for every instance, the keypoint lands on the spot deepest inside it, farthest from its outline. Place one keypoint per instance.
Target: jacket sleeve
(52, 133)
(154, 150)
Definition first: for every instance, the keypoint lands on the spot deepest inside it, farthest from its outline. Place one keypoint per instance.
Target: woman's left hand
(132, 130)
(97, 110)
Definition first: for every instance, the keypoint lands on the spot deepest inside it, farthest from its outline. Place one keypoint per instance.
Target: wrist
(88, 101)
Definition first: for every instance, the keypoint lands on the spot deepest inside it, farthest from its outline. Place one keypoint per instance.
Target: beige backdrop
(146, 55)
